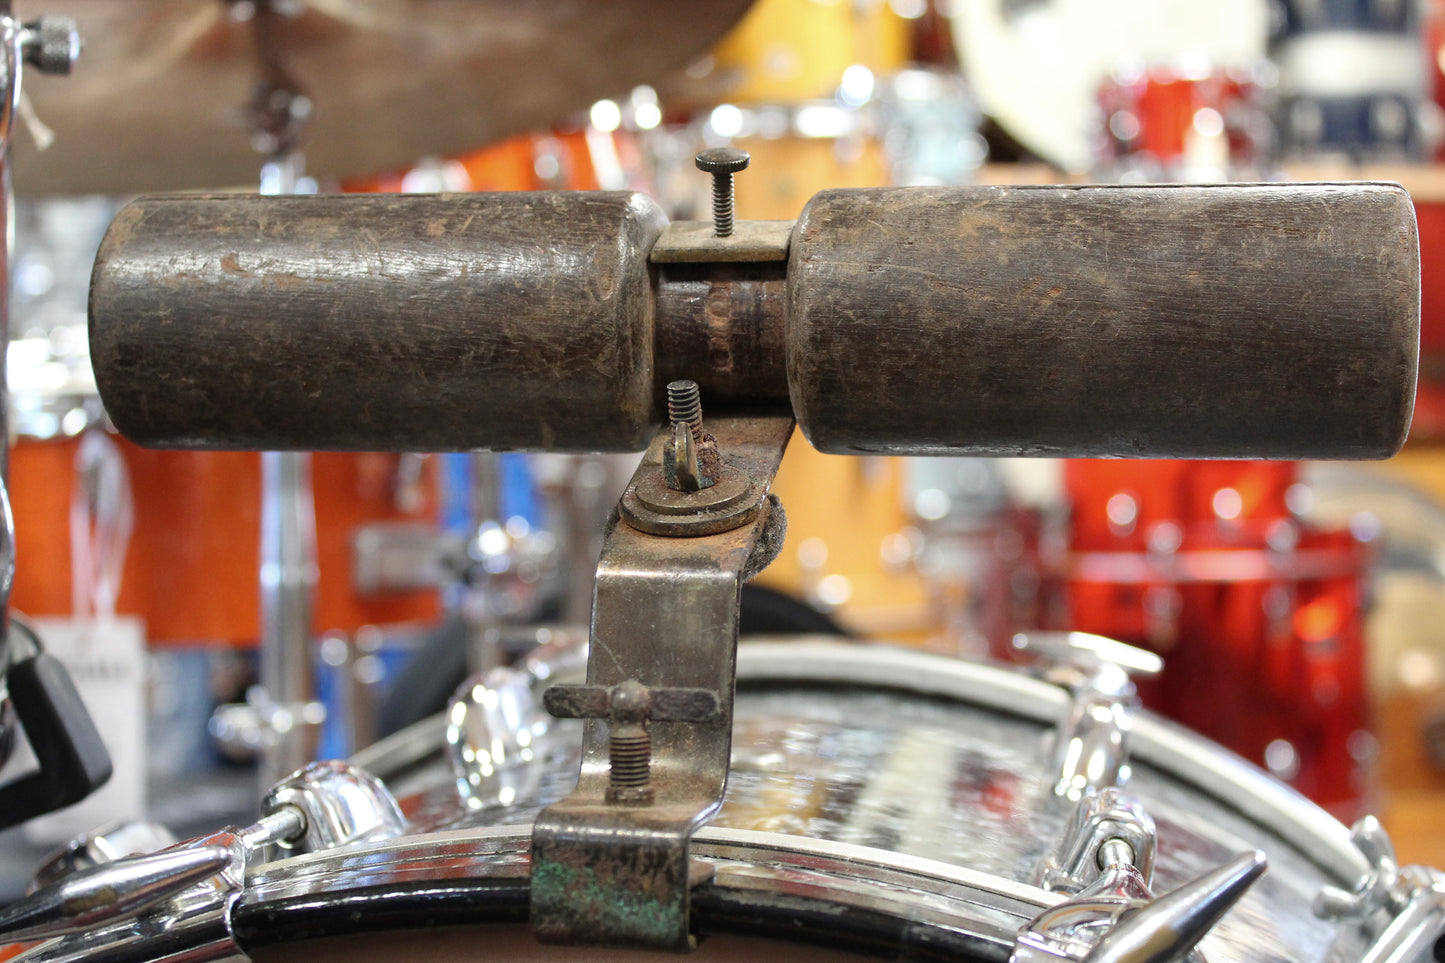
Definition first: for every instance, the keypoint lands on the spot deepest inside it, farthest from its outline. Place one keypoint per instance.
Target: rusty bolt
(684, 466)
(629, 706)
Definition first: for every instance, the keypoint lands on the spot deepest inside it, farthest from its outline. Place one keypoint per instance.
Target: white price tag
(106, 659)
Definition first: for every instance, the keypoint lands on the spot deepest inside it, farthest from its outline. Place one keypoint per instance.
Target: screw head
(630, 701)
(722, 160)
(51, 44)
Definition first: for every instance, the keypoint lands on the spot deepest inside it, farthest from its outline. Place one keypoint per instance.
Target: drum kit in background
(649, 785)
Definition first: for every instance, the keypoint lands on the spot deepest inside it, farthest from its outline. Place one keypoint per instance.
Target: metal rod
(288, 583)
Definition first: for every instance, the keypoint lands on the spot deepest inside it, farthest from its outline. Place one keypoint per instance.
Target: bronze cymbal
(159, 97)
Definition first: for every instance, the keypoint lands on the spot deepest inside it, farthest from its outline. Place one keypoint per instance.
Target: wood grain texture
(1240, 321)
(368, 322)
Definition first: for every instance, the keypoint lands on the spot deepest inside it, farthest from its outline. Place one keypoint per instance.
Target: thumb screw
(722, 163)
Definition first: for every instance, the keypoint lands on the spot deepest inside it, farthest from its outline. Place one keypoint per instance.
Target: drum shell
(512, 321)
(1269, 321)
(191, 569)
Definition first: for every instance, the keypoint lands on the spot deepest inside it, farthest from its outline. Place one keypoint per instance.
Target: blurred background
(1300, 608)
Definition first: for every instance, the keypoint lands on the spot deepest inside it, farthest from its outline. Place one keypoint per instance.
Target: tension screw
(722, 163)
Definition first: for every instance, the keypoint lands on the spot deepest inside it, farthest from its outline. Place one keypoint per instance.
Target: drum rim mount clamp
(610, 863)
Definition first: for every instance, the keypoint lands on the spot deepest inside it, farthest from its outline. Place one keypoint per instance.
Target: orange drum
(558, 160)
(192, 567)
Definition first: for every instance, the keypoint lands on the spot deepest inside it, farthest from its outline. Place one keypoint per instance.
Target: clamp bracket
(610, 862)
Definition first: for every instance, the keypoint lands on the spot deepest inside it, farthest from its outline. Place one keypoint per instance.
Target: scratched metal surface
(947, 781)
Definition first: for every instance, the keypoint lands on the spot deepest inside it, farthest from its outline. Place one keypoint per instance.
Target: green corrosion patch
(603, 909)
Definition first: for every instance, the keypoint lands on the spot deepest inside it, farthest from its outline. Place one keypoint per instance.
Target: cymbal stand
(287, 718)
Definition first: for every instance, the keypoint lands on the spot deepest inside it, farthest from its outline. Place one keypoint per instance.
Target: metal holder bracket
(610, 862)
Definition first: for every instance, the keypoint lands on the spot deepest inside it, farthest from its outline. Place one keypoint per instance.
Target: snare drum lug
(498, 738)
(1417, 932)
(335, 804)
(1378, 889)
(1091, 751)
(1103, 827)
(1401, 909)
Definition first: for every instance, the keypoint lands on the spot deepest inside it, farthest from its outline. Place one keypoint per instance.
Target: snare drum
(881, 802)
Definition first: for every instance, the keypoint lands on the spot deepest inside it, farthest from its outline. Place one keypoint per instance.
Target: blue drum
(1352, 79)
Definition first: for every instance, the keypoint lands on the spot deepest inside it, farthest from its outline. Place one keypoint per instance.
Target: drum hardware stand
(280, 720)
(188, 891)
(1401, 908)
(36, 693)
(610, 862)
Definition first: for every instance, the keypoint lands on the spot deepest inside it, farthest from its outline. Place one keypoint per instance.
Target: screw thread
(630, 752)
(722, 204)
(684, 405)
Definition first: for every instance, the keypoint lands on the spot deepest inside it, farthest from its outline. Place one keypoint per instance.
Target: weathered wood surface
(370, 322)
(1241, 321)
(1233, 321)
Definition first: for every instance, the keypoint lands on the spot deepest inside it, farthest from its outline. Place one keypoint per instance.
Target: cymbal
(159, 97)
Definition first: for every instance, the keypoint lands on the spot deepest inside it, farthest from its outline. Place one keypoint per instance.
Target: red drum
(1164, 123)
(192, 566)
(1258, 616)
